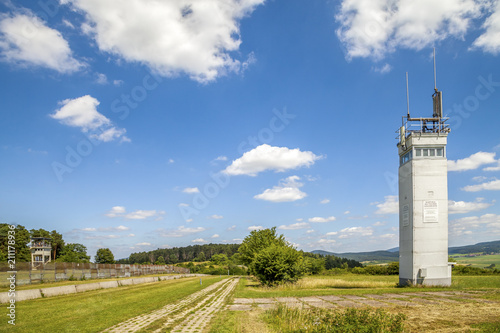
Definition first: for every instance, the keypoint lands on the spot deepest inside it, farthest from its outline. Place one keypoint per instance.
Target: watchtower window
(429, 152)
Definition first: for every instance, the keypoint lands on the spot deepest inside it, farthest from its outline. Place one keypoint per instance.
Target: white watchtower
(423, 199)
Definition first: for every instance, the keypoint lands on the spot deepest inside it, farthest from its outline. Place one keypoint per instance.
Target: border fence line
(61, 271)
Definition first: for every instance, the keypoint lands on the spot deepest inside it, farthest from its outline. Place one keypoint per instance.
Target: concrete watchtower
(423, 199)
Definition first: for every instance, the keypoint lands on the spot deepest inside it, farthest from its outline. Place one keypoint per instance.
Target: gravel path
(167, 312)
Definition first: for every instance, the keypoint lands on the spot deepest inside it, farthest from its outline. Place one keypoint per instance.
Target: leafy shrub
(469, 270)
(278, 264)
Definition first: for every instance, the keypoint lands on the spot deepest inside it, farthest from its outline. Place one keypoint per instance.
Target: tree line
(60, 251)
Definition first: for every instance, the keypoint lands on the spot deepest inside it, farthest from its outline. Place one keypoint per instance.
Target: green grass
(97, 310)
(480, 261)
(287, 320)
(353, 284)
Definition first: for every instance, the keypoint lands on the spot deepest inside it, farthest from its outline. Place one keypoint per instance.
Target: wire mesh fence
(60, 271)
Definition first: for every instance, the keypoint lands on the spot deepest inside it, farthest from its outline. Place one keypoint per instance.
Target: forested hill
(181, 254)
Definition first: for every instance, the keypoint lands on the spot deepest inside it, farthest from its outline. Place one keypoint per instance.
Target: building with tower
(423, 199)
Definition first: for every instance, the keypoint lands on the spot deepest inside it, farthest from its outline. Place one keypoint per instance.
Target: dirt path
(212, 297)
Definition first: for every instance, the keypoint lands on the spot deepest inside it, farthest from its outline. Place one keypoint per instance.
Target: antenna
(435, 81)
(407, 97)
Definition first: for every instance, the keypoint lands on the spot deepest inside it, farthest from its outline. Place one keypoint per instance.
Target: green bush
(469, 270)
(278, 264)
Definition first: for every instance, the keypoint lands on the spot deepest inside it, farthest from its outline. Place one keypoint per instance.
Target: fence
(59, 271)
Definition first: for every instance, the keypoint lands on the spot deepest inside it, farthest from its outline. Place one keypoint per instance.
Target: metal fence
(59, 271)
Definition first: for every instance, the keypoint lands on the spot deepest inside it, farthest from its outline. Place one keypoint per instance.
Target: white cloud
(82, 112)
(332, 233)
(286, 191)
(322, 219)
(379, 224)
(198, 38)
(462, 207)
(255, 227)
(389, 206)
(25, 40)
(89, 229)
(310, 231)
(143, 244)
(382, 70)
(472, 162)
(231, 228)
(487, 223)
(266, 157)
(116, 211)
(117, 82)
(355, 232)
(495, 168)
(324, 201)
(199, 240)
(493, 185)
(371, 28)
(120, 211)
(389, 236)
(144, 214)
(489, 41)
(347, 212)
(191, 190)
(216, 217)
(179, 232)
(101, 79)
(215, 236)
(295, 226)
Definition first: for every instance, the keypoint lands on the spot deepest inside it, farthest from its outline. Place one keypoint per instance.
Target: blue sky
(143, 124)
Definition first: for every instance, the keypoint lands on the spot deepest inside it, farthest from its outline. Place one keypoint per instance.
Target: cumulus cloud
(82, 112)
(493, 168)
(295, 226)
(266, 157)
(179, 232)
(215, 236)
(324, 201)
(116, 211)
(143, 244)
(255, 227)
(489, 41)
(191, 190)
(322, 219)
(120, 211)
(199, 240)
(216, 217)
(286, 191)
(389, 206)
(472, 162)
(493, 185)
(487, 223)
(355, 231)
(25, 40)
(375, 28)
(198, 37)
(462, 207)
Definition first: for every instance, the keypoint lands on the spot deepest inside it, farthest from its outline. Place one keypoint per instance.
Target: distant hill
(393, 254)
(487, 247)
(364, 256)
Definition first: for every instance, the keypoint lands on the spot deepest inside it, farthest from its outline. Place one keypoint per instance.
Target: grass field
(94, 311)
(450, 317)
(480, 261)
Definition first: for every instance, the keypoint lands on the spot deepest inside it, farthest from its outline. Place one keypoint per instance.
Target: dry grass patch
(449, 317)
(312, 283)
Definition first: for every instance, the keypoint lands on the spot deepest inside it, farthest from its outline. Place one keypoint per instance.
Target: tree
(271, 258)
(201, 256)
(58, 244)
(219, 259)
(104, 256)
(22, 239)
(172, 258)
(74, 252)
(277, 264)
(160, 261)
(256, 242)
